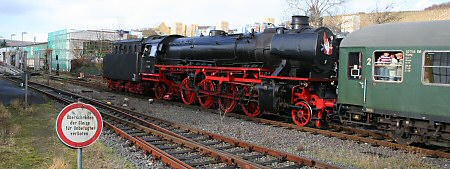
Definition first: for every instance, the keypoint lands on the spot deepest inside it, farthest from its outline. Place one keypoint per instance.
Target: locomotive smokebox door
(268, 98)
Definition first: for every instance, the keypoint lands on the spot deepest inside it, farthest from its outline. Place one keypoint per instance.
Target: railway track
(82, 82)
(180, 146)
(338, 131)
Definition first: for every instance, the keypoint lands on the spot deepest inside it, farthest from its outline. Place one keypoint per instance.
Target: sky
(38, 17)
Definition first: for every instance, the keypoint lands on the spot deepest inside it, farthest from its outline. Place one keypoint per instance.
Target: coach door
(352, 87)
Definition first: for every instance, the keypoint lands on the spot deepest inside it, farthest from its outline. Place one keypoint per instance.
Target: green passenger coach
(396, 77)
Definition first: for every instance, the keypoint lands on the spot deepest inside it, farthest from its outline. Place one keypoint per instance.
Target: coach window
(436, 68)
(388, 66)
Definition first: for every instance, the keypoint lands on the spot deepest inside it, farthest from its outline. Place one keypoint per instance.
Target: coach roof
(414, 34)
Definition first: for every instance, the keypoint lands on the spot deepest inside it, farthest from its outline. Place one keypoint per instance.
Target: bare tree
(383, 13)
(100, 38)
(78, 57)
(48, 62)
(77, 49)
(335, 24)
(445, 5)
(315, 9)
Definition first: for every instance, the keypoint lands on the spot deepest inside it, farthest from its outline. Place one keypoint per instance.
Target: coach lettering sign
(79, 125)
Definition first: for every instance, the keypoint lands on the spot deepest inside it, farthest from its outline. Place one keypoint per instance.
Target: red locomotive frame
(230, 87)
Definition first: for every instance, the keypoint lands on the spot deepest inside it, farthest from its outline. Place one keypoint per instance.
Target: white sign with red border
(79, 125)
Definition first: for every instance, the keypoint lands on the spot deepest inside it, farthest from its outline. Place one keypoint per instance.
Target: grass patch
(5, 125)
(370, 160)
(33, 142)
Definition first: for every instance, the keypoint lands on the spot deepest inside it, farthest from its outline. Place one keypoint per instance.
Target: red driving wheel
(250, 104)
(302, 116)
(159, 90)
(227, 102)
(204, 98)
(187, 94)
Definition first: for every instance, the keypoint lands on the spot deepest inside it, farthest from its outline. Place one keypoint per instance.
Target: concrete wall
(352, 22)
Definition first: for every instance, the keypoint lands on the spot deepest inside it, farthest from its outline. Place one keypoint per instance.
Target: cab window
(153, 52)
(388, 66)
(354, 65)
(147, 50)
(436, 68)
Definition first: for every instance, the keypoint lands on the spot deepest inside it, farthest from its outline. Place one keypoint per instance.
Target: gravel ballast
(344, 153)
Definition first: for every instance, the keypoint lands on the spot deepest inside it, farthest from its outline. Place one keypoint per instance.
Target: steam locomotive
(280, 71)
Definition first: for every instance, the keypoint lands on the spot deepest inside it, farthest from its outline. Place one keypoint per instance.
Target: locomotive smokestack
(299, 22)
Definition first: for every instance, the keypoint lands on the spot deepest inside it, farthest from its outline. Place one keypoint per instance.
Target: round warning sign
(79, 125)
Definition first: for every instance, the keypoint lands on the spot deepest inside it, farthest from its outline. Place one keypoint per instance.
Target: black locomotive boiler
(301, 47)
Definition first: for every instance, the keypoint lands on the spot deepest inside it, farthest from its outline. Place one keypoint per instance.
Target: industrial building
(70, 44)
(62, 48)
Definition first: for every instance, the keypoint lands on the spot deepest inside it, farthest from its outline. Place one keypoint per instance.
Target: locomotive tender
(294, 72)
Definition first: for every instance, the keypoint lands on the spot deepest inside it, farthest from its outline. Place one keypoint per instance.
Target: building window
(436, 68)
(388, 66)
(355, 65)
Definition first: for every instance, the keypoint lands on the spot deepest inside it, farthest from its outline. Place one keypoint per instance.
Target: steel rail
(165, 157)
(237, 159)
(378, 141)
(282, 155)
(205, 150)
(161, 155)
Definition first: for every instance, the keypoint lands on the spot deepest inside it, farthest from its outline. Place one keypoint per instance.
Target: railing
(9, 69)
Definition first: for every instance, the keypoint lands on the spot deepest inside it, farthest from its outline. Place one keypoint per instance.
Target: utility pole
(3, 45)
(26, 90)
(24, 64)
(10, 50)
(23, 54)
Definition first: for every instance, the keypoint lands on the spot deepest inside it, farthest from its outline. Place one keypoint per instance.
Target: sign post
(79, 125)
